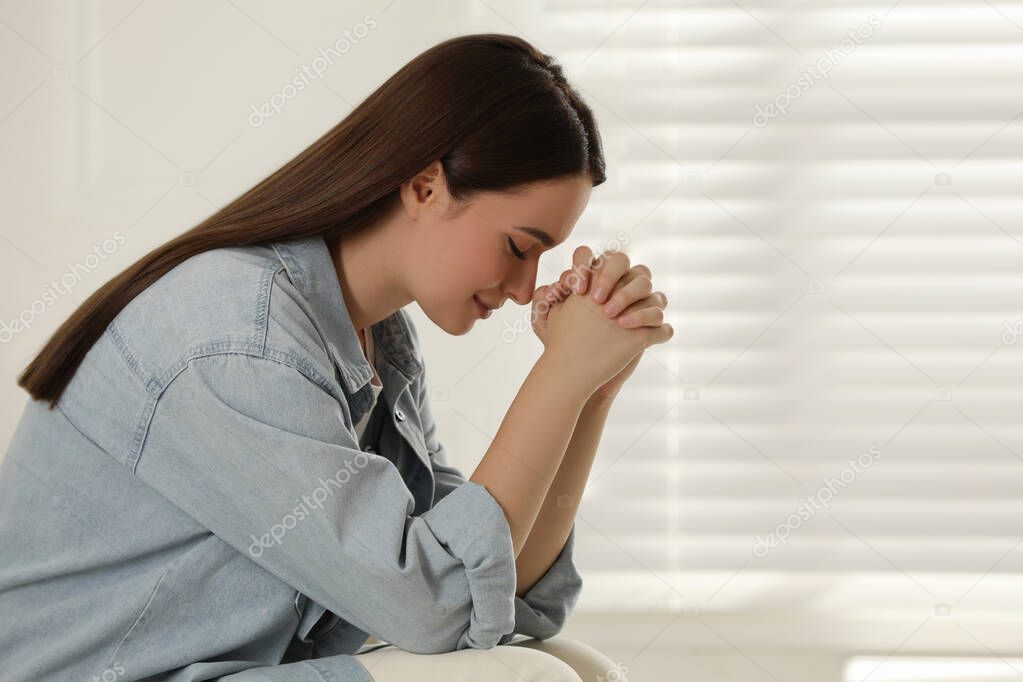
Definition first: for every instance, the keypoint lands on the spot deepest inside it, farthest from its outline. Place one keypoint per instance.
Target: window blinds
(829, 195)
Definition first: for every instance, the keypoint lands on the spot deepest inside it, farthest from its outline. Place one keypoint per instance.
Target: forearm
(558, 511)
(520, 465)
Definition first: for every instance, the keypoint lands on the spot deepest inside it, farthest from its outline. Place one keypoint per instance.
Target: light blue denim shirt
(198, 506)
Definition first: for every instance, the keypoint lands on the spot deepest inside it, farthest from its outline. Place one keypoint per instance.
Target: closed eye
(515, 250)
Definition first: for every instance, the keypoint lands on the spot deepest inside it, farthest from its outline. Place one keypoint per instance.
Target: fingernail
(611, 308)
(598, 294)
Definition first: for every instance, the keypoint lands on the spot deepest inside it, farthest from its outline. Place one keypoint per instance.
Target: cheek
(473, 266)
(486, 272)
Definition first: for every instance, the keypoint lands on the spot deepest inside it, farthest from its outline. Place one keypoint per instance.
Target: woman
(230, 469)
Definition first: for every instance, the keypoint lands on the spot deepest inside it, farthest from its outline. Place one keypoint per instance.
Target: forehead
(553, 206)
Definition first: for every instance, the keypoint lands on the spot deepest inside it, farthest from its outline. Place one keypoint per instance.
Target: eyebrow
(547, 240)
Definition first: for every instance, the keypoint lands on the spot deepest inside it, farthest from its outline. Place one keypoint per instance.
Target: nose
(521, 282)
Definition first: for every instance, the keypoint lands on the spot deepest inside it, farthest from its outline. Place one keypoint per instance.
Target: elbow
(547, 628)
(449, 625)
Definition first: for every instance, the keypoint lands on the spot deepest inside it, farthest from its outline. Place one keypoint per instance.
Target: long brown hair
(493, 109)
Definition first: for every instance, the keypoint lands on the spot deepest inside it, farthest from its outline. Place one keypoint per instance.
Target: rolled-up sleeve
(543, 611)
(257, 452)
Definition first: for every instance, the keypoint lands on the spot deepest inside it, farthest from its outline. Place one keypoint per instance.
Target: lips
(482, 308)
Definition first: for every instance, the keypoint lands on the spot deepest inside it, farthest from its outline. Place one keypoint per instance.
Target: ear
(425, 189)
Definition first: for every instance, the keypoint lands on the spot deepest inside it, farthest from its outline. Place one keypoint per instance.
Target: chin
(459, 326)
(454, 322)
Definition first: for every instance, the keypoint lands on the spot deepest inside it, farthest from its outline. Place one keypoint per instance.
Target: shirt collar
(309, 264)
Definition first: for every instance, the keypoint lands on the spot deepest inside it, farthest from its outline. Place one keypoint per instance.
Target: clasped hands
(624, 290)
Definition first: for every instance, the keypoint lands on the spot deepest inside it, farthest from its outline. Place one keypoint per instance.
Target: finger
(582, 261)
(541, 293)
(550, 292)
(544, 298)
(631, 288)
(630, 275)
(656, 298)
(567, 281)
(659, 334)
(648, 316)
(612, 267)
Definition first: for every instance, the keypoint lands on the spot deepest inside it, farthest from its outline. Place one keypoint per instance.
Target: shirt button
(399, 414)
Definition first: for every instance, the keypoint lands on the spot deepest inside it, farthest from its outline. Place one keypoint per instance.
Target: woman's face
(476, 251)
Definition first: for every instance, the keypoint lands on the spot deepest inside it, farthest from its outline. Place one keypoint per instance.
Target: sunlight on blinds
(829, 195)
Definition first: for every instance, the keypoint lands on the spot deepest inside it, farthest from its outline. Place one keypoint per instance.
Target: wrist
(559, 370)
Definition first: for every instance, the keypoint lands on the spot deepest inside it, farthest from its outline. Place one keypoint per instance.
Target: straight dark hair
(492, 108)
